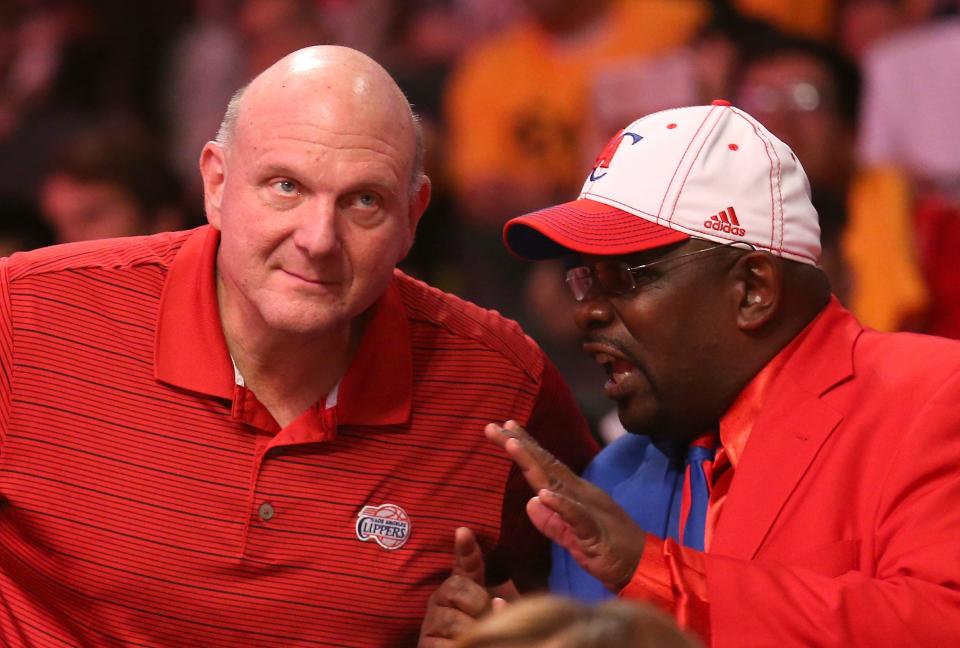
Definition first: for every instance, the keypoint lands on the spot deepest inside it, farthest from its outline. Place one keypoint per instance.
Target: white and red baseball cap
(709, 172)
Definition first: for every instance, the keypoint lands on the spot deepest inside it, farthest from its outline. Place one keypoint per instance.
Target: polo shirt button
(266, 511)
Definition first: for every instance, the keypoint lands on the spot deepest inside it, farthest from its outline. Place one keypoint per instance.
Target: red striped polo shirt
(148, 500)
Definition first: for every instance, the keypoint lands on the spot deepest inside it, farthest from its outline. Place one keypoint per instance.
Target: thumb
(467, 556)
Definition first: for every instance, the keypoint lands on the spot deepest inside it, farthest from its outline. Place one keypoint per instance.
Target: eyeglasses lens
(608, 278)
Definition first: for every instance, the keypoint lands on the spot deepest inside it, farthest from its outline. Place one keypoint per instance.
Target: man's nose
(593, 312)
(317, 232)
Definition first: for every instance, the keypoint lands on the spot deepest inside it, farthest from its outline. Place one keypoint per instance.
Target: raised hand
(461, 599)
(572, 512)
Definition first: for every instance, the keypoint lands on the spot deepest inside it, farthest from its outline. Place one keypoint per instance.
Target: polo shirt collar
(378, 386)
(190, 351)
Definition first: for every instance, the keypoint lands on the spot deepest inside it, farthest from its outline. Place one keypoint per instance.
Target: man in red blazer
(792, 479)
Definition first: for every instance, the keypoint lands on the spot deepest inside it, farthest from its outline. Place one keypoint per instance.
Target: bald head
(331, 82)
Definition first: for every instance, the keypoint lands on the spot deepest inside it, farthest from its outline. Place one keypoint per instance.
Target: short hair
(566, 623)
(417, 173)
(229, 123)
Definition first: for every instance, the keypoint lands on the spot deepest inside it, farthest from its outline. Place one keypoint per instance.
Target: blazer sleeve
(911, 597)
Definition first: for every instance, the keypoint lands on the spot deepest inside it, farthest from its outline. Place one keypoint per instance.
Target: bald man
(259, 432)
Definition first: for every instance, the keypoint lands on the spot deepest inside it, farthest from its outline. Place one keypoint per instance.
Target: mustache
(597, 338)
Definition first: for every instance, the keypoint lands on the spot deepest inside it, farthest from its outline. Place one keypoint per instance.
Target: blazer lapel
(785, 439)
(789, 431)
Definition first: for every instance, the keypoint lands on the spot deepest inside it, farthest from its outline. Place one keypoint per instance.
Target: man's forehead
(313, 116)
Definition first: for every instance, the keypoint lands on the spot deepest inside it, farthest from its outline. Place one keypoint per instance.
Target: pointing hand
(572, 512)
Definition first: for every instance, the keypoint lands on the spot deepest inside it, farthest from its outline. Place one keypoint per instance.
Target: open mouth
(618, 370)
(622, 374)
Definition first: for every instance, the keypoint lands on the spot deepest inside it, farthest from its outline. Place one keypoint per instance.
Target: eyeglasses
(615, 279)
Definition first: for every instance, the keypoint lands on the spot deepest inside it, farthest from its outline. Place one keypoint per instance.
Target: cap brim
(587, 227)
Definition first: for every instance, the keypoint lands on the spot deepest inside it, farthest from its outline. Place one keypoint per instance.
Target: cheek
(376, 250)
(251, 233)
(672, 337)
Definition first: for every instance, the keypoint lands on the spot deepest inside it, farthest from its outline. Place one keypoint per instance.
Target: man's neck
(288, 372)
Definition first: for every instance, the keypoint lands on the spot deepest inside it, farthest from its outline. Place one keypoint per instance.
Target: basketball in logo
(388, 525)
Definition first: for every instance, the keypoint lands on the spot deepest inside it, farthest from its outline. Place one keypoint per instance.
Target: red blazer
(842, 523)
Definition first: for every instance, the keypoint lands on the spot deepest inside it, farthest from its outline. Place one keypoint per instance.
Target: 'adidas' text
(725, 221)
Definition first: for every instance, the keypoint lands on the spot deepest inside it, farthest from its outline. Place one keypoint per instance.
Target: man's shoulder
(837, 347)
(903, 368)
(470, 324)
(118, 253)
(907, 353)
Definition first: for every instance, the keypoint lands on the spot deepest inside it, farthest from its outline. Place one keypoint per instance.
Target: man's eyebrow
(275, 169)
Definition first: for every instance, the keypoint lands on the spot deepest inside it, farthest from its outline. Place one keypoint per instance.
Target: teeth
(604, 358)
(617, 368)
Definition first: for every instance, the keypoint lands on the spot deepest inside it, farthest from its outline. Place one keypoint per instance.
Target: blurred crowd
(105, 105)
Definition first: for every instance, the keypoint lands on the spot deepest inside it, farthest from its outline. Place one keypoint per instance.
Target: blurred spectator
(43, 48)
(807, 94)
(104, 185)
(554, 622)
(70, 64)
(204, 68)
(909, 122)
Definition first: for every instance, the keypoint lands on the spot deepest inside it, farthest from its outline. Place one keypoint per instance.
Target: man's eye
(285, 187)
(367, 200)
(644, 276)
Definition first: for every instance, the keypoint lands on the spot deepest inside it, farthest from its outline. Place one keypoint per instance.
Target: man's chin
(661, 432)
(643, 424)
(303, 323)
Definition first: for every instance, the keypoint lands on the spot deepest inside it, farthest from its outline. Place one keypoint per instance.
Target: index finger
(540, 468)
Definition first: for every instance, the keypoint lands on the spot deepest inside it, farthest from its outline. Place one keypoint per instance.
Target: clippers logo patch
(606, 155)
(388, 525)
(725, 221)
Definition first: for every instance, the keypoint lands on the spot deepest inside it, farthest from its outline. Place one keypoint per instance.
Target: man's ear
(213, 170)
(759, 278)
(418, 204)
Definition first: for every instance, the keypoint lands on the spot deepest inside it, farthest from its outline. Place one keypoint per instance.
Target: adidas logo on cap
(725, 221)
